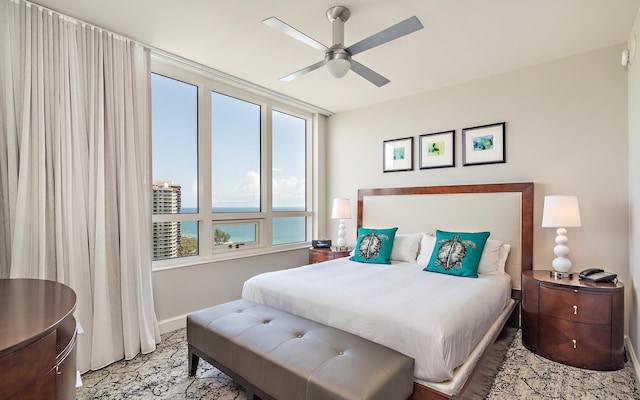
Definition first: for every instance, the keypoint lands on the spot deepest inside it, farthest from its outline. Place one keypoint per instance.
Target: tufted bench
(277, 355)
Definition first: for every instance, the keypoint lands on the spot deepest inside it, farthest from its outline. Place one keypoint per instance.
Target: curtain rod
(227, 78)
(71, 19)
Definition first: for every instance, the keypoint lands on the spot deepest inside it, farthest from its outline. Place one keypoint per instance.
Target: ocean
(285, 230)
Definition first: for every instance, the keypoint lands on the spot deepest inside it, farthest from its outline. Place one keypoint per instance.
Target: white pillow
(405, 247)
(504, 253)
(490, 257)
(427, 244)
(494, 256)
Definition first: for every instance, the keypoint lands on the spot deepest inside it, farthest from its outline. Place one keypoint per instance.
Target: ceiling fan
(337, 58)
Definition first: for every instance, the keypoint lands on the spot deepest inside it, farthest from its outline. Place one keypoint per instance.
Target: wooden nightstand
(320, 255)
(572, 321)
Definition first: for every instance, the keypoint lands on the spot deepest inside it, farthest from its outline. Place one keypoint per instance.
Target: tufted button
(341, 353)
(239, 311)
(299, 335)
(266, 321)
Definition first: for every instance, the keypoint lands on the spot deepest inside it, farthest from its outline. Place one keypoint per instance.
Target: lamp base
(561, 275)
(561, 263)
(342, 240)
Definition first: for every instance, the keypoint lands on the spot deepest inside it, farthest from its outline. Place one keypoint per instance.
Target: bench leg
(250, 394)
(193, 362)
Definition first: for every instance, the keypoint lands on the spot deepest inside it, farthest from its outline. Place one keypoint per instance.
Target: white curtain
(74, 173)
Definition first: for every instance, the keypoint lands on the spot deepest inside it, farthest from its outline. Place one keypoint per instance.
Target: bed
(405, 308)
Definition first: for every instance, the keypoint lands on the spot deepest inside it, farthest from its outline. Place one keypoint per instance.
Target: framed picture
(483, 144)
(397, 155)
(437, 150)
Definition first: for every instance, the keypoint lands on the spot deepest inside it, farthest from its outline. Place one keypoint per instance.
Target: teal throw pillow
(457, 253)
(374, 245)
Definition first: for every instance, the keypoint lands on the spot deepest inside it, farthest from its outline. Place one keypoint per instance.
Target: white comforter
(436, 319)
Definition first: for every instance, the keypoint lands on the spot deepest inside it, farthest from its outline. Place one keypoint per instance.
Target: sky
(235, 148)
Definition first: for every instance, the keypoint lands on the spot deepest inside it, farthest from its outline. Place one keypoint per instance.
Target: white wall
(634, 196)
(180, 291)
(566, 132)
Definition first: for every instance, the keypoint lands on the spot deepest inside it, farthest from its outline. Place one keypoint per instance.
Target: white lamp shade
(341, 209)
(561, 212)
(338, 67)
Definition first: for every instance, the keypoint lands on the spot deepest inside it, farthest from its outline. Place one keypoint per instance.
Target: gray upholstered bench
(277, 355)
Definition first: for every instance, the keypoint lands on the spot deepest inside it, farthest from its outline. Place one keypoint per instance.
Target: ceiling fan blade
(278, 25)
(368, 74)
(303, 71)
(396, 31)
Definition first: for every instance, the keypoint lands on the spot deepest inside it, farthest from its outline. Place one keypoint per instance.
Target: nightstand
(572, 321)
(317, 255)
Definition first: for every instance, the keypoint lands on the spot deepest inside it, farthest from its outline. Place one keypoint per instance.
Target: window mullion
(311, 176)
(204, 166)
(267, 174)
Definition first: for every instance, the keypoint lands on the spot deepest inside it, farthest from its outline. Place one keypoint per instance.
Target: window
(289, 173)
(175, 167)
(230, 169)
(235, 155)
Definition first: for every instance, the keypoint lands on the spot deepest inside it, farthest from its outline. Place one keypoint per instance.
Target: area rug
(525, 375)
(522, 375)
(161, 374)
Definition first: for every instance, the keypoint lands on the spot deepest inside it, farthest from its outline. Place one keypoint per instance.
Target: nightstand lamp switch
(561, 212)
(341, 210)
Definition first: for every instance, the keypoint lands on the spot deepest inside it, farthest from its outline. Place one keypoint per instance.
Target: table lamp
(561, 212)
(341, 210)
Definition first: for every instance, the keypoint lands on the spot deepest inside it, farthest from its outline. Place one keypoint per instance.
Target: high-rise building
(166, 235)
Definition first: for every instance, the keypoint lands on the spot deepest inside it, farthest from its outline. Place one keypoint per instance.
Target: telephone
(597, 275)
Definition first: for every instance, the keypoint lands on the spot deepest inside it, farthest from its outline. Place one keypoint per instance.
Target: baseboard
(172, 324)
(631, 353)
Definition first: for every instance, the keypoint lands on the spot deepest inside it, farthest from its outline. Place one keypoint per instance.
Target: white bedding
(436, 319)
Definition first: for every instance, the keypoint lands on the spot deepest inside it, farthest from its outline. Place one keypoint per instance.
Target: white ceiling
(462, 40)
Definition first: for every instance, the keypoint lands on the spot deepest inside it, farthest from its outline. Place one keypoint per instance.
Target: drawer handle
(575, 344)
(575, 310)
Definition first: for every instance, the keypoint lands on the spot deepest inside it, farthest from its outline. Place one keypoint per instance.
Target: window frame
(207, 250)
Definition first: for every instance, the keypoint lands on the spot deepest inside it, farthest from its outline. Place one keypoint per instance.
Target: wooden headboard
(504, 209)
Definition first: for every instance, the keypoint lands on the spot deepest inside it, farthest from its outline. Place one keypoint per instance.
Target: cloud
(245, 193)
(287, 192)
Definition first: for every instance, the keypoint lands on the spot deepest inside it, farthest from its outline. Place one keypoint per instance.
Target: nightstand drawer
(325, 254)
(570, 305)
(22, 371)
(573, 343)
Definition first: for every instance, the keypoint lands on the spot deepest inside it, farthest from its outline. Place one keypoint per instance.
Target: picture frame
(484, 144)
(397, 155)
(437, 150)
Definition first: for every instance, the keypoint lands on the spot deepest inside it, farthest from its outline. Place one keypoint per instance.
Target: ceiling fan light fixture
(338, 67)
(338, 62)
